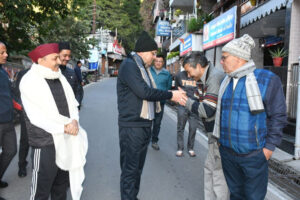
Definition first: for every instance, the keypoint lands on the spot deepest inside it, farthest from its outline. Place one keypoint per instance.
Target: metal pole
(297, 138)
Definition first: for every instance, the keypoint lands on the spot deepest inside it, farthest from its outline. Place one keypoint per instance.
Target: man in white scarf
(51, 114)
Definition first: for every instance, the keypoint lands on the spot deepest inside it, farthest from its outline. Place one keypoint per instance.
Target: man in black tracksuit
(136, 96)
(65, 57)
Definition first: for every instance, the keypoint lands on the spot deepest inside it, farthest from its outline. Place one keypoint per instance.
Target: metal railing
(292, 112)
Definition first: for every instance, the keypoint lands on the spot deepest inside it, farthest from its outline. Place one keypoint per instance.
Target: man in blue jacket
(8, 140)
(138, 100)
(250, 116)
(163, 81)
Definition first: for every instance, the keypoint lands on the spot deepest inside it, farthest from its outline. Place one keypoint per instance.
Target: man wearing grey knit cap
(250, 116)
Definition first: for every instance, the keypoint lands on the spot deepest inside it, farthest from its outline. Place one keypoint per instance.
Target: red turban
(43, 50)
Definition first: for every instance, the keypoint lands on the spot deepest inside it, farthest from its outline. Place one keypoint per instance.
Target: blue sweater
(163, 80)
(6, 103)
(245, 132)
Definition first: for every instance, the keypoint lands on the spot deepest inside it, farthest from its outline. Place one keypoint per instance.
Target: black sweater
(131, 91)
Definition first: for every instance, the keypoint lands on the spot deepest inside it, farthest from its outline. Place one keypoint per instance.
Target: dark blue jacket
(245, 132)
(78, 74)
(6, 98)
(131, 91)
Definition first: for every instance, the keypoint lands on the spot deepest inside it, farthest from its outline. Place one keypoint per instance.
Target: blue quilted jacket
(245, 132)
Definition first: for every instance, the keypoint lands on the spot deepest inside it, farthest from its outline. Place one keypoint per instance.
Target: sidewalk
(282, 169)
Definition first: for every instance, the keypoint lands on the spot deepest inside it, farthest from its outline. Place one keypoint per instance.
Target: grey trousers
(215, 186)
(184, 115)
(8, 142)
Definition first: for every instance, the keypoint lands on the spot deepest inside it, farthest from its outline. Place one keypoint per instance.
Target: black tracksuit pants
(47, 178)
(24, 146)
(133, 145)
(8, 142)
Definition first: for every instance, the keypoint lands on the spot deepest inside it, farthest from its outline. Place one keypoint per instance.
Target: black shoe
(2, 198)
(22, 172)
(3, 184)
(155, 146)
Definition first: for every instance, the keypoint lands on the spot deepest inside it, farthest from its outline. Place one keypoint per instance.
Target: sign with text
(220, 30)
(186, 45)
(163, 28)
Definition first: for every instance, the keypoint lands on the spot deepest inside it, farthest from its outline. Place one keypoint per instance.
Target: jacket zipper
(229, 123)
(256, 137)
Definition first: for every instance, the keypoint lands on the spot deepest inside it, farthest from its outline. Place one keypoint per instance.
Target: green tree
(20, 17)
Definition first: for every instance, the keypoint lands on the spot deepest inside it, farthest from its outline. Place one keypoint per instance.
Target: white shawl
(42, 112)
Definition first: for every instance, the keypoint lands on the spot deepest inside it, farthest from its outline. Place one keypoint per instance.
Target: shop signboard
(93, 58)
(93, 65)
(163, 28)
(186, 45)
(220, 30)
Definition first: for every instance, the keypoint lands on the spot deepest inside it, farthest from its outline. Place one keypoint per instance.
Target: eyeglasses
(223, 58)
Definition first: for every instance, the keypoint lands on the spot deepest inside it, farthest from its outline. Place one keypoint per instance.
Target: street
(165, 176)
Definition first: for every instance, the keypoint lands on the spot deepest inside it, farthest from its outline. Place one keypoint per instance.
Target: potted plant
(278, 55)
(253, 2)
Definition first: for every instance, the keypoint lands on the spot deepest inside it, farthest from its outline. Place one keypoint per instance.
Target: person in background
(188, 84)
(250, 116)
(24, 146)
(138, 100)
(80, 92)
(208, 82)
(65, 57)
(163, 81)
(8, 140)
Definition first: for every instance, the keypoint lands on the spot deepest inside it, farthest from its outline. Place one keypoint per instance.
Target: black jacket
(71, 77)
(131, 91)
(6, 98)
(189, 85)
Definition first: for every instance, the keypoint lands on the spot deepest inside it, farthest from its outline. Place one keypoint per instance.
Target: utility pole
(94, 18)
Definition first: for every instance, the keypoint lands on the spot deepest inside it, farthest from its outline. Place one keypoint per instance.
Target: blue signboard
(220, 30)
(186, 45)
(163, 28)
(93, 65)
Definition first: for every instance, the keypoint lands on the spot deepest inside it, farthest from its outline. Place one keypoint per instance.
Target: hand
(178, 95)
(72, 128)
(82, 83)
(267, 153)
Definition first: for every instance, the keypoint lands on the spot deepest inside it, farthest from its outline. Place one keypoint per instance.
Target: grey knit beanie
(240, 47)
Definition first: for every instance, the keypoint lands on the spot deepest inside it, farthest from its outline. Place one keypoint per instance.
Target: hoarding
(220, 30)
(186, 45)
(163, 28)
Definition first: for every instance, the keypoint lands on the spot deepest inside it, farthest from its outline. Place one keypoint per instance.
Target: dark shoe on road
(192, 153)
(155, 146)
(22, 172)
(3, 184)
(2, 198)
(179, 153)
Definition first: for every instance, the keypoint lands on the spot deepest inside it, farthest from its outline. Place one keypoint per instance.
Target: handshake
(179, 96)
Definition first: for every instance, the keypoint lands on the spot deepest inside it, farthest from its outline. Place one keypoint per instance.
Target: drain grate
(286, 177)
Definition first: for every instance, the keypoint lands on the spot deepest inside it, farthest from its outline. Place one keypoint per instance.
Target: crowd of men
(242, 109)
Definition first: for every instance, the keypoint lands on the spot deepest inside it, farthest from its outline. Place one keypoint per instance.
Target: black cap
(145, 43)
(64, 45)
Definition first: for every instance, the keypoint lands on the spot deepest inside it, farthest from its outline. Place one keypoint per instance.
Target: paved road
(165, 176)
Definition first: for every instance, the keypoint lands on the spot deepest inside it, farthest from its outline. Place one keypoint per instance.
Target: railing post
(297, 138)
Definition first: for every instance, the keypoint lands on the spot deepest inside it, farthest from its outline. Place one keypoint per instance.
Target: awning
(262, 11)
(176, 43)
(115, 56)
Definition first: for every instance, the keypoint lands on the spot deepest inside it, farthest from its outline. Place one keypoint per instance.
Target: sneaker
(155, 146)
(192, 153)
(179, 153)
